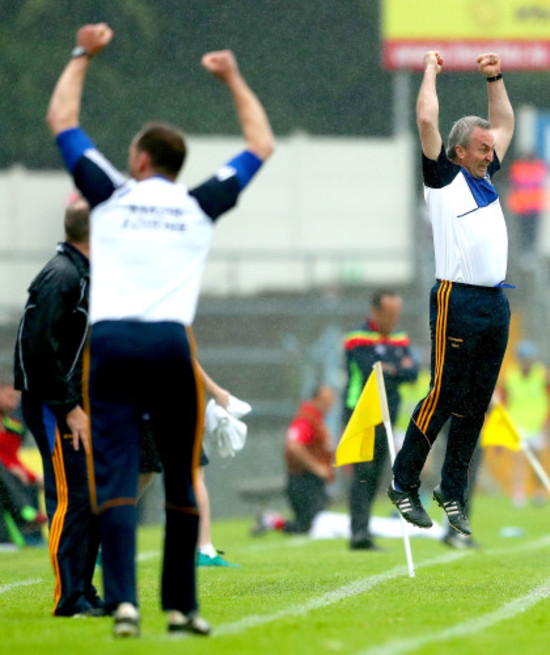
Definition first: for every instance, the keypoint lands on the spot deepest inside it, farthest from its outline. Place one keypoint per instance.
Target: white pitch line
(467, 628)
(22, 583)
(362, 586)
(288, 542)
(347, 591)
(152, 554)
(531, 545)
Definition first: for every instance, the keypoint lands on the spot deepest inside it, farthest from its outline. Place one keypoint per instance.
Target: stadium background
(344, 126)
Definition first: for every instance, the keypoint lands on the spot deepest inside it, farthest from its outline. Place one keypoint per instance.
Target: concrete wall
(322, 211)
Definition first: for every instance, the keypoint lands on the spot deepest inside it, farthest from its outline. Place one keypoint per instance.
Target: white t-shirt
(149, 244)
(469, 230)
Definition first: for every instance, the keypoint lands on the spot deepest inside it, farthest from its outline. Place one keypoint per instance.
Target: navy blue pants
(138, 368)
(73, 537)
(469, 331)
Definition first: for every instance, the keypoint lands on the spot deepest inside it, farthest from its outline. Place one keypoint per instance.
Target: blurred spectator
(308, 458)
(528, 198)
(20, 516)
(375, 340)
(526, 397)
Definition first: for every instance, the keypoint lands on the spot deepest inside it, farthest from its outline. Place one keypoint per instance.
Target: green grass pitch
(293, 595)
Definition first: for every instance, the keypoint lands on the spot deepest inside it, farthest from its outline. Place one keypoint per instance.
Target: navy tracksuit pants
(469, 328)
(138, 368)
(73, 537)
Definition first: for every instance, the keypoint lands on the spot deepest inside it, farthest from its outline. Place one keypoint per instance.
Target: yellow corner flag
(499, 430)
(357, 442)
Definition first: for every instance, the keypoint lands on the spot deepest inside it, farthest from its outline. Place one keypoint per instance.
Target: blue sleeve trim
(482, 190)
(72, 144)
(246, 166)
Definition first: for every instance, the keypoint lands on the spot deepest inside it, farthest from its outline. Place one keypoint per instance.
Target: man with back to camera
(469, 312)
(48, 371)
(149, 242)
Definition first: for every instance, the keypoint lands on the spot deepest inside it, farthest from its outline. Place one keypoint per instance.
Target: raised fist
(221, 63)
(489, 64)
(433, 58)
(93, 38)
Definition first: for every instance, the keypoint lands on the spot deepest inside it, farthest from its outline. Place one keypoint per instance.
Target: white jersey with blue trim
(149, 244)
(150, 238)
(469, 230)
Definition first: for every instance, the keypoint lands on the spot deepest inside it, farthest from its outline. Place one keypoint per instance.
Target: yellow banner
(523, 20)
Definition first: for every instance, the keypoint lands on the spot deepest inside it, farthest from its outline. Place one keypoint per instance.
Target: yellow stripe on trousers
(430, 402)
(58, 519)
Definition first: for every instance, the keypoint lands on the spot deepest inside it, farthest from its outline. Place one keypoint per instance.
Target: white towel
(223, 429)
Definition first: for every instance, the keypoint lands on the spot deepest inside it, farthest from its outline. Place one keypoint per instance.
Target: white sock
(208, 550)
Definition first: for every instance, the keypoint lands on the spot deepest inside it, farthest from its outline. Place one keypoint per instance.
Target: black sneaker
(459, 541)
(363, 542)
(126, 621)
(409, 506)
(455, 510)
(93, 598)
(190, 624)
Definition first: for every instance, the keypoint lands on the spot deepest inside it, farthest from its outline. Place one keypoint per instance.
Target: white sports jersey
(469, 230)
(149, 244)
(149, 239)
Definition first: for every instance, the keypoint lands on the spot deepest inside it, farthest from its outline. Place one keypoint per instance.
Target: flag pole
(528, 452)
(535, 464)
(391, 446)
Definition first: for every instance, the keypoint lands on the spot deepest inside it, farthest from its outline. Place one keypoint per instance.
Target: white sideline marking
(361, 586)
(291, 542)
(22, 583)
(347, 591)
(142, 557)
(298, 542)
(531, 545)
(467, 628)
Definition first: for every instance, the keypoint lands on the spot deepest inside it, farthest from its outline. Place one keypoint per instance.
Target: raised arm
(501, 113)
(427, 107)
(64, 107)
(254, 122)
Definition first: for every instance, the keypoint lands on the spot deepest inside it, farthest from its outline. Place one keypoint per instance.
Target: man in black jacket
(376, 340)
(48, 371)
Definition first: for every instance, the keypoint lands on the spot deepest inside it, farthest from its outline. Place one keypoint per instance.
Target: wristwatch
(79, 51)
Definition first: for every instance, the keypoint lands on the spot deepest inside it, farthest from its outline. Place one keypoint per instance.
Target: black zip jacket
(53, 330)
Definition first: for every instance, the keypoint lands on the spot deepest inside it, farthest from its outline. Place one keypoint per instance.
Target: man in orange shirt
(528, 197)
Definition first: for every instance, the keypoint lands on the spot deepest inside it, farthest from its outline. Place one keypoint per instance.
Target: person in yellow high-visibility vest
(527, 400)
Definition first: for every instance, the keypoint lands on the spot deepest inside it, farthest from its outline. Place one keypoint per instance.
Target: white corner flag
(391, 446)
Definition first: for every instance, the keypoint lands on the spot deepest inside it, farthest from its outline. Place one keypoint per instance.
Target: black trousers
(469, 328)
(366, 477)
(73, 538)
(139, 368)
(307, 496)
